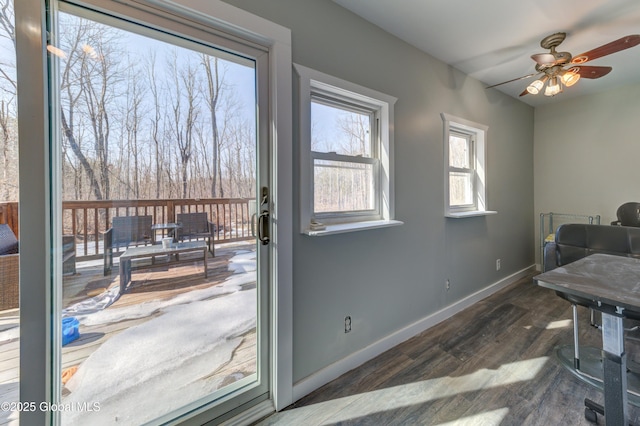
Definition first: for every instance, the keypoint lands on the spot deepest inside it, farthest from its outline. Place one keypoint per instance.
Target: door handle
(263, 227)
(253, 224)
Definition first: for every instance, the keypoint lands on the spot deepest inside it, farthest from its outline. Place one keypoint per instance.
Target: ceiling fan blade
(512, 80)
(524, 92)
(607, 49)
(593, 72)
(544, 58)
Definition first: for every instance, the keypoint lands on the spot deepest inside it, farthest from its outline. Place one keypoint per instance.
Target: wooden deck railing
(88, 220)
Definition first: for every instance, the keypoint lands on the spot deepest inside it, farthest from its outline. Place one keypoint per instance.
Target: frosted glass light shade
(553, 88)
(535, 87)
(570, 78)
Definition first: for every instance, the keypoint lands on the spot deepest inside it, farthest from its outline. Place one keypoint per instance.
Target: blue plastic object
(70, 330)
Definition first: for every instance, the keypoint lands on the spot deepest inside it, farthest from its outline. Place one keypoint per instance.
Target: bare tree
(8, 31)
(8, 107)
(90, 76)
(133, 118)
(8, 149)
(156, 120)
(212, 96)
(185, 83)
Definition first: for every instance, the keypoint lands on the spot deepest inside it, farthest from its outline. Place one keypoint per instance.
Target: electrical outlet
(497, 264)
(347, 324)
(448, 285)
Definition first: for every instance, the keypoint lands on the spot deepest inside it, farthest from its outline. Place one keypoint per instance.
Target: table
(170, 227)
(613, 283)
(155, 256)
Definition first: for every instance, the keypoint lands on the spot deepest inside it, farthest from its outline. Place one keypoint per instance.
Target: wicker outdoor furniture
(9, 269)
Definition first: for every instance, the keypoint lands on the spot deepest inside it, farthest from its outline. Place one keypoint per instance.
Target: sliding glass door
(160, 199)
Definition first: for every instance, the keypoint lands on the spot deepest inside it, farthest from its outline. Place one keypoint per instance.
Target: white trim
(470, 213)
(36, 316)
(338, 368)
(352, 227)
(450, 124)
(311, 81)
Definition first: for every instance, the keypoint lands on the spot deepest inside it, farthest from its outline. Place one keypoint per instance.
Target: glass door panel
(9, 223)
(161, 301)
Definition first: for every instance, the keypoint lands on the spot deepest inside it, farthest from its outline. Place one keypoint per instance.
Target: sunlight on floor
(494, 417)
(366, 404)
(559, 324)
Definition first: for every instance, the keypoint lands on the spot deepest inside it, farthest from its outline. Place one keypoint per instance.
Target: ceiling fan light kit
(558, 69)
(553, 88)
(570, 77)
(535, 87)
(567, 78)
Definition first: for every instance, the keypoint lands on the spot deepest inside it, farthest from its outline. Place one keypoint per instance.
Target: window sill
(351, 227)
(474, 213)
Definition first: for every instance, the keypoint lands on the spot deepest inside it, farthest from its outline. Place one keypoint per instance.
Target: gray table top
(157, 249)
(611, 280)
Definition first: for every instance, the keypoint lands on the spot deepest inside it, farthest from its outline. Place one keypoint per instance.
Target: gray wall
(586, 153)
(389, 278)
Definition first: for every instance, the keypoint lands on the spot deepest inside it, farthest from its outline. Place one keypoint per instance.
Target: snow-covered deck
(173, 337)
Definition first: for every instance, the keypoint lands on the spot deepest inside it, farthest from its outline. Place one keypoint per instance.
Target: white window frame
(477, 134)
(313, 85)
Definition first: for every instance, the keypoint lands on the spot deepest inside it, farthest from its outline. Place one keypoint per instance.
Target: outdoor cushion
(8, 240)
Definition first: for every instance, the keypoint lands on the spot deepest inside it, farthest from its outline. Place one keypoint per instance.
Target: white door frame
(37, 210)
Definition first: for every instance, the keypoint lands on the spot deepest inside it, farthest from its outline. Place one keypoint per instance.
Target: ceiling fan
(557, 69)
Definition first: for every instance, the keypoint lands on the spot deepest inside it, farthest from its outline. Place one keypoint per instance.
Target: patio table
(170, 227)
(155, 256)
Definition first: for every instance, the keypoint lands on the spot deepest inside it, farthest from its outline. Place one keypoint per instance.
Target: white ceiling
(492, 40)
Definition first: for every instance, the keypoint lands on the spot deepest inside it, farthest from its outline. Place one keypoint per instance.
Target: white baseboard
(338, 368)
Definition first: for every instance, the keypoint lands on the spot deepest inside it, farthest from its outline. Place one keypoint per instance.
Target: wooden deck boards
(147, 285)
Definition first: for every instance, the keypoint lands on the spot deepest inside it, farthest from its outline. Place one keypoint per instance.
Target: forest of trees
(8, 99)
(144, 119)
(139, 118)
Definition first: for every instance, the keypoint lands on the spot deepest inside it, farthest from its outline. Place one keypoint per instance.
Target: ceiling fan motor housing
(552, 41)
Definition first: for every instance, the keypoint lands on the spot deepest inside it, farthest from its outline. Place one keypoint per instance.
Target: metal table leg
(614, 361)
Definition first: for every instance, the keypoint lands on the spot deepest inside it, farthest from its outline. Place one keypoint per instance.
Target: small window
(344, 164)
(465, 167)
(346, 145)
(461, 170)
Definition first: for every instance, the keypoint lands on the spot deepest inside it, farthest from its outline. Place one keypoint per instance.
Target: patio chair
(68, 254)
(196, 225)
(9, 269)
(126, 231)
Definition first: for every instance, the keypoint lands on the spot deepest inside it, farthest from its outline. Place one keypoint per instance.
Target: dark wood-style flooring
(492, 364)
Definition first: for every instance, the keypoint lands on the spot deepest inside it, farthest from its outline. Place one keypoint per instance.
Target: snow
(162, 364)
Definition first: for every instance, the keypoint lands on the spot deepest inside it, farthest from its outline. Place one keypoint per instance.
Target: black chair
(126, 231)
(196, 225)
(68, 255)
(628, 215)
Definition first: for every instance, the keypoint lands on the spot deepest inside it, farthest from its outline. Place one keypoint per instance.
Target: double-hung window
(462, 170)
(345, 161)
(346, 144)
(465, 148)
